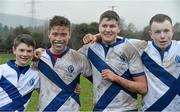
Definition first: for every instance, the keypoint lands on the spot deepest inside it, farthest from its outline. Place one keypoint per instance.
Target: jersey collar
(13, 65)
(61, 55)
(161, 52)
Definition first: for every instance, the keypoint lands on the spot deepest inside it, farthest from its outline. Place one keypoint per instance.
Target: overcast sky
(136, 11)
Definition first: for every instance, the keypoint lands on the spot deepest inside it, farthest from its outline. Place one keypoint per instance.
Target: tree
(177, 27)
(176, 35)
(9, 40)
(131, 28)
(79, 30)
(145, 33)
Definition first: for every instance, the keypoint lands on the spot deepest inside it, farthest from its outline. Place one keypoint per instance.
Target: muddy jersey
(124, 60)
(58, 80)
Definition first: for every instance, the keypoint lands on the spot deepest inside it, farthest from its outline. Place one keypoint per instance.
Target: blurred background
(31, 16)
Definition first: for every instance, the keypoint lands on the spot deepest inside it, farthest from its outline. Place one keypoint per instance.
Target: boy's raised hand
(37, 53)
(90, 38)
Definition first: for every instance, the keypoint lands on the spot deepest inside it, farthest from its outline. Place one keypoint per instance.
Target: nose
(25, 53)
(108, 29)
(162, 34)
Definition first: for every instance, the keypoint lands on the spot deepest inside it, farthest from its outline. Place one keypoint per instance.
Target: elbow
(144, 90)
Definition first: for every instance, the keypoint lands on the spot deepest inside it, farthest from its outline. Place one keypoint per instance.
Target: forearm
(137, 86)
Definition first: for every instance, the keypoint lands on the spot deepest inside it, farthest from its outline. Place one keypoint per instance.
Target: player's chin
(58, 48)
(109, 40)
(163, 45)
(24, 63)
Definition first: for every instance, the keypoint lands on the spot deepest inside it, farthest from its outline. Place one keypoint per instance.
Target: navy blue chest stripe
(12, 64)
(18, 100)
(157, 70)
(114, 89)
(67, 90)
(166, 78)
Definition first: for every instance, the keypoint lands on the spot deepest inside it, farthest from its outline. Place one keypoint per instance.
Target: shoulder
(175, 42)
(138, 44)
(75, 54)
(84, 48)
(34, 69)
(175, 45)
(33, 72)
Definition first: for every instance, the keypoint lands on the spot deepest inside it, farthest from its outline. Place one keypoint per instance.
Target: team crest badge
(177, 60)
(122, 58)
(31, 82)
(70, 68)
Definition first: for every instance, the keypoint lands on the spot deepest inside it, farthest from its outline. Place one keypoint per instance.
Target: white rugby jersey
(163, 77)
(59, 79)
(16, 87)
(124, 60)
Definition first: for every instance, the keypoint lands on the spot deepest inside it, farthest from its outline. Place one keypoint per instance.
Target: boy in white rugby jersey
(17, 78)
(60, 69)
(161, 59)
(118, 73)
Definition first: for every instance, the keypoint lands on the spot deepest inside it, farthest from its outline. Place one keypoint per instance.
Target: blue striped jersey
(59, 79)
(16, 86)
(124, 60)
(163, 76)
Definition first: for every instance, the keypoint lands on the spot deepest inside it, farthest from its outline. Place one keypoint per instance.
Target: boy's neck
(109, 43)
(55, 52)
(21, 65)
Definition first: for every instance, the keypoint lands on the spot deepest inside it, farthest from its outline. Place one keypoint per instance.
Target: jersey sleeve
(84, 49)
(136, 67)
(139, 45)
(86, 66)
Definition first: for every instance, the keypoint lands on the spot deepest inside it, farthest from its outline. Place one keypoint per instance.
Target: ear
(14, 50)
(150, 34)
(119, 29)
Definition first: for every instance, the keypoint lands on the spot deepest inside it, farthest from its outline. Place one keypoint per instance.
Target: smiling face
(23, 53)
(59, 37)
(109, 29)
(161, 33)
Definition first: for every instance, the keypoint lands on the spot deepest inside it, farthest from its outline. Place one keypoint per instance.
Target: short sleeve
(87, 70)
(84, 49)
(136, 67)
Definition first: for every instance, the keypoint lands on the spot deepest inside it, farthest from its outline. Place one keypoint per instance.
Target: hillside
(15, 20)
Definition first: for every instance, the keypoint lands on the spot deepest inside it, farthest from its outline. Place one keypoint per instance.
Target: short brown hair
(24, 38)
(110, 15)
(59, 21)
(160, 18)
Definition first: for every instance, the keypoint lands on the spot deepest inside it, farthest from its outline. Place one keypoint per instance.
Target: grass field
(85, 95)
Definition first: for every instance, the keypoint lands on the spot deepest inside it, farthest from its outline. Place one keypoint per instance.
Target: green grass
(5, 57)
(86, 96)
(33, 104)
